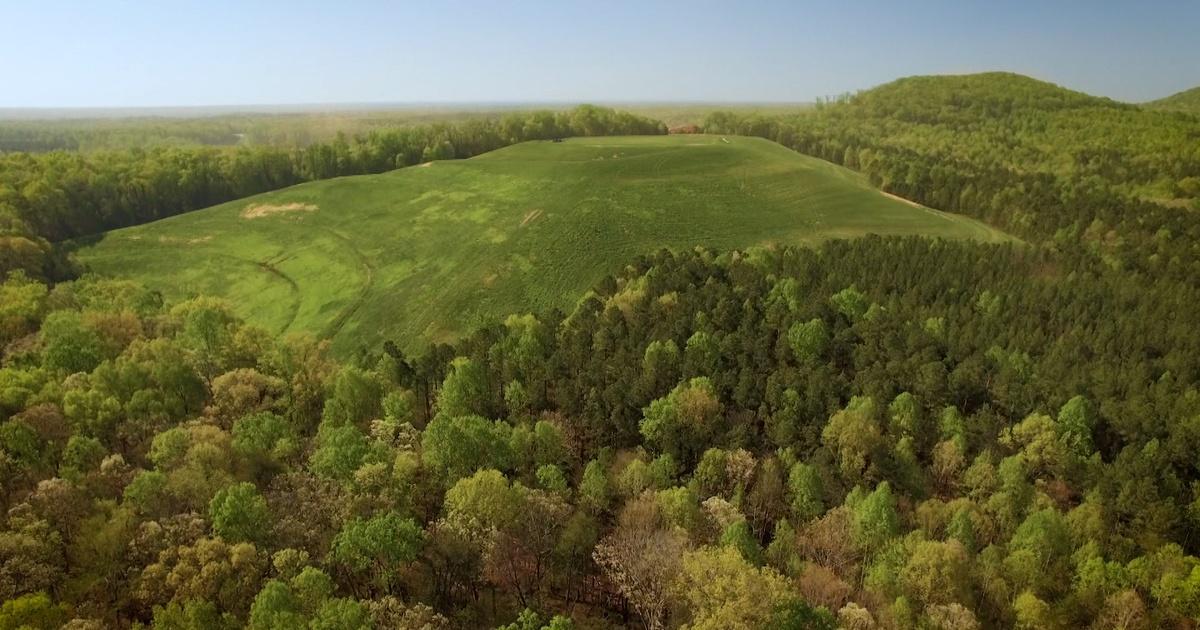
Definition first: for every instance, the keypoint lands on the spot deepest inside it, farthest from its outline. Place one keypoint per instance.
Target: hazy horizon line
(53, 112)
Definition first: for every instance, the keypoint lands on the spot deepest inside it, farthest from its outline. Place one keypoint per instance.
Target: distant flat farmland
(425, 253)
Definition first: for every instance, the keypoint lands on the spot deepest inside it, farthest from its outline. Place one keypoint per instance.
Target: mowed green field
(426, 253)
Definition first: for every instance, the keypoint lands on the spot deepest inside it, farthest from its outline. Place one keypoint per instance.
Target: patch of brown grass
(530, 216)
(259, 210)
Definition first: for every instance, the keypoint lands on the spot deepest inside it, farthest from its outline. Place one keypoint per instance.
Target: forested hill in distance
(1185, 101)
(1077, 172)
(428, 253)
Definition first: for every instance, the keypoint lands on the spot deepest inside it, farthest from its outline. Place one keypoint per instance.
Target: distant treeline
(60, 195)
(1078, 172)
(146, 128)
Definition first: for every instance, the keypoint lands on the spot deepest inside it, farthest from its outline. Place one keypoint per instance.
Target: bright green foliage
(302, 599)
(34, 612)
(453, 447)
(679, 506)
(701, 355)
(342, 614)
(516, 398)
(276, 606)
(548, 445)
(807, 494)
(1032, 613)
(522, 350)
(377, 548)
(22, 304)
(722, 591)
(738, 536)
(1076, 420)
(951, 425)
(685, 418)
(68, 344)
(808, 340)
(594, 492)
(148, 492)
(265, 438)
(341, 450)
(207, 329)
(399, 407)
(483, 503)
(937, 573)
(356, 396)
(660, 365)
(240, 514)
(907, 418)
(711, 475)
(1039, 550)
(81, 455)
(663, 471)
(550, 477)
(529, 620)
(851, 303)
(875, 519)
(633, 479)
(855, 436)
(783, 553)
(22, 447)
(191, 615)
(962, 528)
(311, 585)
(465, 391)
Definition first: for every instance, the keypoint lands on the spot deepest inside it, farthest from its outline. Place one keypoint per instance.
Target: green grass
(426, 253)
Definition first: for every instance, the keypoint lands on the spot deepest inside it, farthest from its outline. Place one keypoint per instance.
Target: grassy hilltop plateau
(427, 253)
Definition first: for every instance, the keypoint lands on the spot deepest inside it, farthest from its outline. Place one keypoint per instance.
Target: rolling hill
(1185, 101)
(425, 253)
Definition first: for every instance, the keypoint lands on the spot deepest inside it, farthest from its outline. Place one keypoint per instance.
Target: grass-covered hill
(1185, 101)
(426, 253)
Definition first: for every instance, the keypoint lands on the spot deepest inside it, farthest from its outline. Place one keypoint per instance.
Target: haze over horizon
(188, 53)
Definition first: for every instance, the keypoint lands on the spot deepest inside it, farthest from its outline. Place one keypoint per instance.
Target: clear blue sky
(59, 53)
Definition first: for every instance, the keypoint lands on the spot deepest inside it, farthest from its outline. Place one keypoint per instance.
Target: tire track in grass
(270, 268)
(346, 313)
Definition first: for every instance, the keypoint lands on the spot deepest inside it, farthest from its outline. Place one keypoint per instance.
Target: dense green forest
(184, 127)
(1081, 174)
(774, 438)
(49, 197)
(893, 433)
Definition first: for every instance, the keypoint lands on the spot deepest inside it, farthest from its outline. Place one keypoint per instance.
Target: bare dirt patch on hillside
(901, 199)
(532, 215)
(259, 210)
(174, 240)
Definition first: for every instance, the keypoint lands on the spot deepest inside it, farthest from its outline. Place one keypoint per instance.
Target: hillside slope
(1093, 176)
(1185, 101)
(426, 253)
(987, 94)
